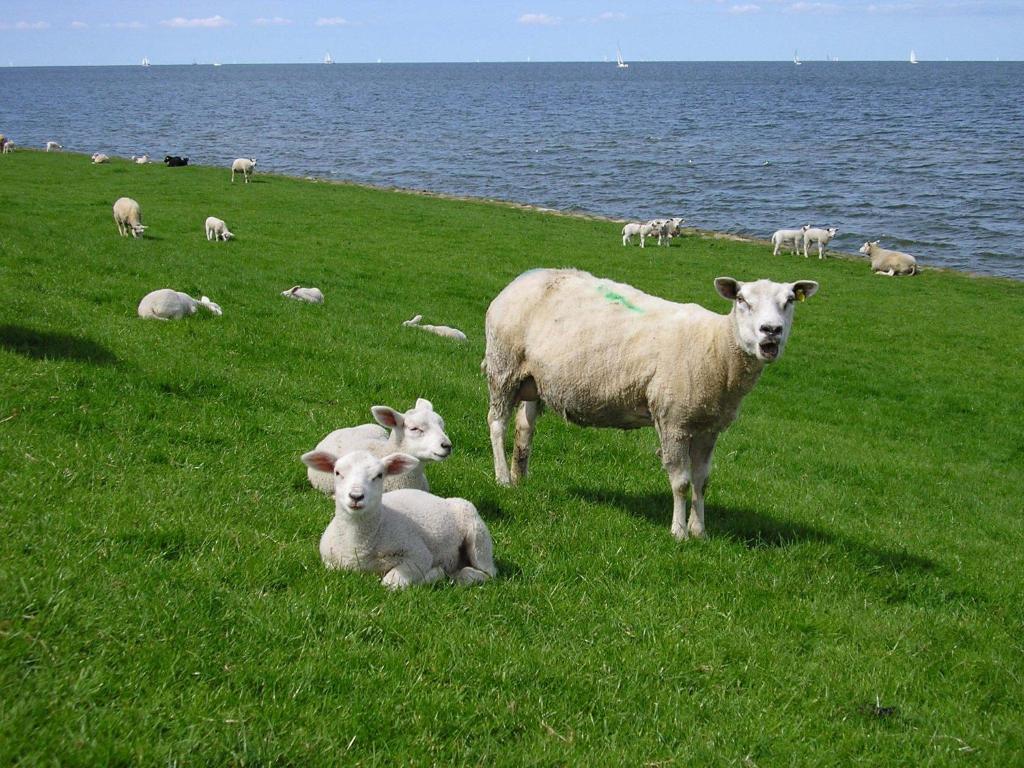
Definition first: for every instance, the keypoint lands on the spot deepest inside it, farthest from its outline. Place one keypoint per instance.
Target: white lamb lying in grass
(419, 431)
(440, 330)
(311, 295)
(408, 536)
(99, 157)
(169, 304)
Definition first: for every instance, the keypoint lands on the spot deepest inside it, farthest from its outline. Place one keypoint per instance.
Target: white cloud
(333, 21)
(610, 16)
(892, 7)
(539, 19)
(813, 8)
(277, 21)
(748, 8)
(79, 25)
(211, 22)
(22, 25)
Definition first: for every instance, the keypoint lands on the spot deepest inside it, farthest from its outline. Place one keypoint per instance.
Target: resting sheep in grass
(216, 229)
(169, 304)
(244, 166)
(604, 354)
(140, 160)
(99, 157)
(310, 295)
(128, 217)
(783, 237)
(819, 236)
(419, 432)
(886, 262)
(440, 330)
(408, 536)
(53, 146)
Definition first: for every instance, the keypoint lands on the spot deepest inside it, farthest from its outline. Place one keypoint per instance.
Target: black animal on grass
(173, 160)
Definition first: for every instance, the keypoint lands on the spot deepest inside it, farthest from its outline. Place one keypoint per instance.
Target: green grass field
(858, 600)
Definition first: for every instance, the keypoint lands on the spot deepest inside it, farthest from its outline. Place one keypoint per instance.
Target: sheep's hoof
(679, 533)
(468, 576)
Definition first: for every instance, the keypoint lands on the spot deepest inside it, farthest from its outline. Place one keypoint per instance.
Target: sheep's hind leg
(675, 457)
(526, 419)
(470, 575)
(497, 419)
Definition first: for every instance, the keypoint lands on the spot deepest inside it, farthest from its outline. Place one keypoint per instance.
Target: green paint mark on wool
(618, 298)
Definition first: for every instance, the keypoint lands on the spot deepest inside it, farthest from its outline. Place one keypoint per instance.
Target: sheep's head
(763, 313)
(358, 476)
(867, 247)
(138, 229)
(420, 430)
(832, 231)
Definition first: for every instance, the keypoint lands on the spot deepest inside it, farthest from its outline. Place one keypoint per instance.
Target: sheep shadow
(53, 345)
(757, 531)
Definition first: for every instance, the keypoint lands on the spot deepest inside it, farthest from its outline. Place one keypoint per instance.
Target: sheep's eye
(337, 473)
(790, 300)
(742, 302)
(380, 476)
(415, 429)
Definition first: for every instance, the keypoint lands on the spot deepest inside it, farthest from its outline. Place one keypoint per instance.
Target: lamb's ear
(727, 287)
(387, 417)
(804, 289)
(399, 463)
(424, 403)
(321, 460)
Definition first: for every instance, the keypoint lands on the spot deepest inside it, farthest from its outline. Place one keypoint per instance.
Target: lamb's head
(762, 313)
(867, 248)
(358, 476)
(419, 431)
(138, 229)
(832, 232)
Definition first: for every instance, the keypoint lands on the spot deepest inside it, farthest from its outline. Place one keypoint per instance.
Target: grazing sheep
(7, 146)
(604, 354)
(821, 236)
(141, 160)
(99, 157)
(174, 161)
(168, 304)
(419, 432)
(297, 292)
(53, 146)
(790, 237)
(128, 217)
(440, 330)
(886, 262)
(630, 231)
(654, 228)
(408, 536)
(245, 166)
(216, 229)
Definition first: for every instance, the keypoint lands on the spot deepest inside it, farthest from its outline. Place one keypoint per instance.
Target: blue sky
(181, 31)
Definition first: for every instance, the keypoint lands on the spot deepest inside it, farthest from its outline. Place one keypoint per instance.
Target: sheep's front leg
(675, 457)
(526, 418)
(414, 569)
(701, 448)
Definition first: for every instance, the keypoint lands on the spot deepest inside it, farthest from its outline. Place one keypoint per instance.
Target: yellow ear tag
(800, 295)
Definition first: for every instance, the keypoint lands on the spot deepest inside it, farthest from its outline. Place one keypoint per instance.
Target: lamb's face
(832, 232)
(358, 482)
(866, 248)
(422, 430)
(138, 230)
(763, 313)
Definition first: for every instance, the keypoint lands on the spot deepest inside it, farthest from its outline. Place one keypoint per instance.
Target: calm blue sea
(928, 158)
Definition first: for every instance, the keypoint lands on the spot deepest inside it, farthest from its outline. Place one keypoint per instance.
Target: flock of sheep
(883, 260)
(597, 352)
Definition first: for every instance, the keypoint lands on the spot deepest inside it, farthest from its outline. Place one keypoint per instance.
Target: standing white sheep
(629, 231)
(216, 229)
(169, 304)
(419, 432)
(440, 330)
(886, 262)
(244, 166)
(53, 146)
(604, 354)
(311, 295)
(790, 237)
(820, 236)
(128, 217)
(408, 536)
(7, 146)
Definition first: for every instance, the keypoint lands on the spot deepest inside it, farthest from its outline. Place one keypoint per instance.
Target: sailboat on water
(796, 59)
(145, 61)
(913, 57)
(327, 58)
(618, 59)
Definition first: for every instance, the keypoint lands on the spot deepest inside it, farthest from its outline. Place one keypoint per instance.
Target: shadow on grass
(755, 530)
(51, 345)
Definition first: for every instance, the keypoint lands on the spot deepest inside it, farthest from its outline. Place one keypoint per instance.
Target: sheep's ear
(804, 289)
(727, 287)
(321, 460)
(424, 403)
(399, 463)
(387, 417)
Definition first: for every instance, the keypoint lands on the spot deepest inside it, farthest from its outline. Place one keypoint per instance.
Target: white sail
(618, 59)
(796, 59)
(913, 57)
(327, 58)
(145, 61)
